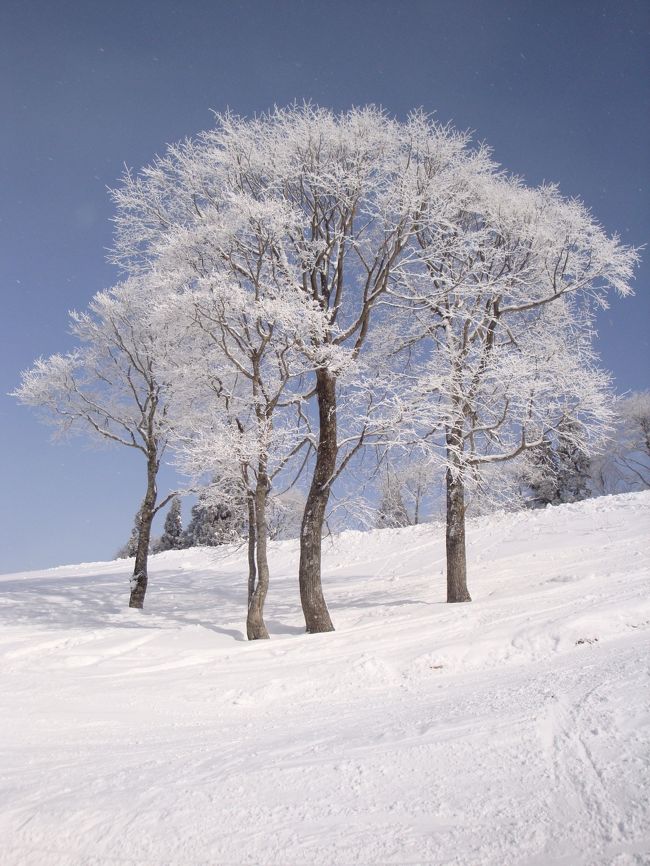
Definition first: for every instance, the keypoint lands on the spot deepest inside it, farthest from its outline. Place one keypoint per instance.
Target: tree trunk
(455, 538)
(147, 511)
(317, 618)
(255, 626)
(252, 536)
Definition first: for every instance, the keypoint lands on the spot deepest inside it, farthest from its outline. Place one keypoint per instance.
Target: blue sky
(560, 90)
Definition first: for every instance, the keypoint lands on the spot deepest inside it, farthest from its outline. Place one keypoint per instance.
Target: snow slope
(513, 730)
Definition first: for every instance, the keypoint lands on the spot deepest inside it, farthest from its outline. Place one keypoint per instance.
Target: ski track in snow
(512, 731)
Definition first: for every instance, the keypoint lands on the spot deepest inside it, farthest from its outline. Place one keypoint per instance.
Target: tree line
(303, 288)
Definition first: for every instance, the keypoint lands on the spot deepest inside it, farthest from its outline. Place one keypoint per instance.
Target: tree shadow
(100, 601)
(376, 600)
(276, 627)
(235, 633)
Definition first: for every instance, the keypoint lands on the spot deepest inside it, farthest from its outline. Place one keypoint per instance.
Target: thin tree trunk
(147, 511)
(255, 626)
(455, 533)
(252, 536)
(317, 618)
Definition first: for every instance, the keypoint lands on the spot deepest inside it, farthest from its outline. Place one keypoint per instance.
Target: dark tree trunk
(455, 534)
(255, 626)
(147, 511)
(252, 536)
(317, 618)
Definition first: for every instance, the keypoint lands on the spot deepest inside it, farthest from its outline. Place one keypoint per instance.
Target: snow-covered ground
(513, 730)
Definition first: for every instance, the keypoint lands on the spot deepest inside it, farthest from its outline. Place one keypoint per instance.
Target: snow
(512, 730)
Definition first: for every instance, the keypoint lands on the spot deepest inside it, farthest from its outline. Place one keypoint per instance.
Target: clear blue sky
(560, 90)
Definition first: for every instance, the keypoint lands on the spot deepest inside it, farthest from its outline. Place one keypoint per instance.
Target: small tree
(285, 514)
(112, 388)
(172, 537)
(213, 523)
(408, 485)
(633, 456)
(623, 465)
(392, 511)
(539, 477)
(202, 529)
(573, 465)
(131, 547)
(559, 470)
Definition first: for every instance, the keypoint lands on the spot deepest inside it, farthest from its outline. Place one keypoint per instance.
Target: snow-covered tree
(391, 512)
(408, 485)
(633, 424)
(111, 388)
(349, 195)
(172, 537)
(559, 470)
(573, 464)
(499, 280)
(201, 531)
(131, 547)
(242, 322)
(213, 523)
(285, 514)
(538, 475)
(236, 430)
(343, 220)
(623, 464)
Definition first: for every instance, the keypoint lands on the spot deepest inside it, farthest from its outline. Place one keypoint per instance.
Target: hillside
(513, 730)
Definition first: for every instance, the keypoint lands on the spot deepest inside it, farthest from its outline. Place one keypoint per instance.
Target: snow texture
(512, 730)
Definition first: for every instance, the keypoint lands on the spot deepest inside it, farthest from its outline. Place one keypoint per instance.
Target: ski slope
(513, 730)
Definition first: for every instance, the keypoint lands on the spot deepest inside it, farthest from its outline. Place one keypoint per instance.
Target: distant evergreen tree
(541, 475)
(559, 472)
(573, 466)
(131, 546)
(200, 531)
(213, 524)
(173, 536)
